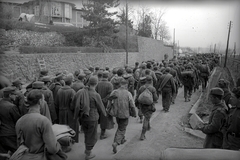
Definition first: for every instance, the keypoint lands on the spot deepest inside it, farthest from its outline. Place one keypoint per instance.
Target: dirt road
(167, 131)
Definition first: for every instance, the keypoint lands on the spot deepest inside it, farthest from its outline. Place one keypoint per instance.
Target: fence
(233, 62)
(233, 67)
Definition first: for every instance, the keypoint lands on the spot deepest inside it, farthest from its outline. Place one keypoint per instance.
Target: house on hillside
(59, 12)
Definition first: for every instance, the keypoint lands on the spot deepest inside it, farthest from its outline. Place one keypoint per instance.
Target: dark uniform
(231, 129)
(104, 89)
(147, 110)
(204, 73)
(214, 138)
(167, 88)
(9, 115)
(88, 104)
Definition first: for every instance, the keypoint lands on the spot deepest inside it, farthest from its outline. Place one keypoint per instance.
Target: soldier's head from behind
(120, 72)
(142, 80)
(100, 74)
(81, 77)
(129, 70)
(149, 79)
(68, 80)
(17, 83)
(59, 77)
(222, 83)
(34, 97)
(46, 80)
(216, 95)
(167, 70)
(105, 75)
(9, 93)
(123, 83)
(93, 81)
(147, 71)
(236, 92)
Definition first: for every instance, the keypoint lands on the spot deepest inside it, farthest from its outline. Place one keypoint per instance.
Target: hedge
(32, 50)
(15, 24)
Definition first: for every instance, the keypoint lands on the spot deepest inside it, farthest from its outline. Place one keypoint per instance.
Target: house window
(36, 10)
(56, 9)
(68, 11)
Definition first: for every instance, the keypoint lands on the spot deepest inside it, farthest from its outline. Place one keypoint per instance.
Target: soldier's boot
(114, 145)
(142, 137)
(186, 99)
(103, 135)
(89, 154)
(149, 127)
(141, 119)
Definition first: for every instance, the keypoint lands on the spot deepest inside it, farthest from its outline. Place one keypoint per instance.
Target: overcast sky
(197, 24)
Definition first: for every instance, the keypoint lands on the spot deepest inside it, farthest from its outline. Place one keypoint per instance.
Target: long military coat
(214, 138)
(104, 88)
(63, 105)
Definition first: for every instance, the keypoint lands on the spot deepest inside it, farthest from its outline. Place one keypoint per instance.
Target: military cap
(167, 69)
(148, 78)
(87, 71)
(105, 74)
(96, 68)
(16, 82)
(46, 79)
(120, 71)
(9, 89)
(100, 73)
(149, 65)
(37, 85)
(236, 91)
(216, 91)
(76, 73)
(44, 72)
(34, 96)
(93, 80)
(68, 79)
(142, 79)
(170, 65)
(107, 68)
(81, 76)
(143, 65)
(123, 81)
(129, 70)
(91, 69)
(59, 77)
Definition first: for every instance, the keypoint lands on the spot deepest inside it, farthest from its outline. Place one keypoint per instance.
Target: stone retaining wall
(26, 66)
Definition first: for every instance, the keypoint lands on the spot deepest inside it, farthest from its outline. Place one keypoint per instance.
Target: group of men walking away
(99, 96)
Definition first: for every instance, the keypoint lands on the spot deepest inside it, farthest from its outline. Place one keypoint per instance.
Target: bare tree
(156, 22)
(138, 15)
(164, 32)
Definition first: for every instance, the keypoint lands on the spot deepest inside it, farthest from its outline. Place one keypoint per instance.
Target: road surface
(166, 131)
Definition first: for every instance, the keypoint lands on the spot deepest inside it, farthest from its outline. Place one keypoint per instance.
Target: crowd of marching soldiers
(61, 89)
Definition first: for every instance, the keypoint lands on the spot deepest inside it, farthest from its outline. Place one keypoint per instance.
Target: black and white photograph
(119, 79)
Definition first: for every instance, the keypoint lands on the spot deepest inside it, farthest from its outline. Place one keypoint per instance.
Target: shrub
(32, 50)
(23, 37)
(9, 24)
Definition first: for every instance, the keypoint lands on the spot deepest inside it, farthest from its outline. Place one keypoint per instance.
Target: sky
(197, 23)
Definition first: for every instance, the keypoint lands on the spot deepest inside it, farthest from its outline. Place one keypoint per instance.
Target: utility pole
(234, 51)
(178, 48)
(214, 48)
(173, 40)
(126, 33)
(230, 25)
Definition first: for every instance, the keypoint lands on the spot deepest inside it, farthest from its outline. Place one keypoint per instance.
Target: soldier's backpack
(187, 73)
(204, 72)
(146, 97)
